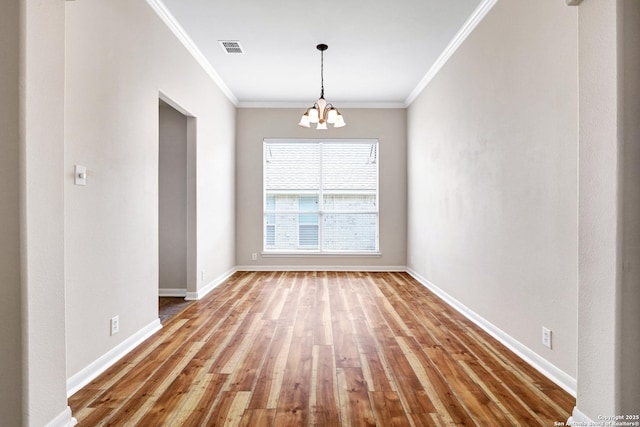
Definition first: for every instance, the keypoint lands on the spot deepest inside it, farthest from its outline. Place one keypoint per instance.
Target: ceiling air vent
(231, 46)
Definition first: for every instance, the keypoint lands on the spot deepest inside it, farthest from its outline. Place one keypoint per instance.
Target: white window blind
(320, 196)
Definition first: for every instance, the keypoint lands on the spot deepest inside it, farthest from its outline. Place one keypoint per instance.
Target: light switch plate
(80, 174)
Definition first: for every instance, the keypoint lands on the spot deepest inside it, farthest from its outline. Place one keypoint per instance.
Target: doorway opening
(176, 207)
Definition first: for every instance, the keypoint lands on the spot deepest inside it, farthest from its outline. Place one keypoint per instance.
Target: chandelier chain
(322, 74)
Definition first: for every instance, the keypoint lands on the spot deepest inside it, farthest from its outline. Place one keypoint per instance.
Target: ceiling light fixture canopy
(322, 112)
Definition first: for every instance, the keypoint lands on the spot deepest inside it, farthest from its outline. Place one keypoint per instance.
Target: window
(320, 196)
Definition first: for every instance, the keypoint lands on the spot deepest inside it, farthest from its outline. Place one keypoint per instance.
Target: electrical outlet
(254, 256)
(546, 337)
(115, 325)
(202, 275)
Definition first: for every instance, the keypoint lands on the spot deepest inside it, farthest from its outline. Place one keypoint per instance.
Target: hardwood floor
(326, 349)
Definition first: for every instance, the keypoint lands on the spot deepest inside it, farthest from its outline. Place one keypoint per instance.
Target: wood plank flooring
(325, 349)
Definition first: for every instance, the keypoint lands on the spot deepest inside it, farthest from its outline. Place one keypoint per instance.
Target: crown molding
(339, 105)
(573, 2)
(171, 22)
(476, 17)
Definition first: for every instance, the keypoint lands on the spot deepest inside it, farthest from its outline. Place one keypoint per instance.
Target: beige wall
(630, 315)
(598, 210)
(609, 209)
(120, 56)
(42, 212)
(32, 321)
(10, 313)
(387, 125)
(492, 148)
(172, 203)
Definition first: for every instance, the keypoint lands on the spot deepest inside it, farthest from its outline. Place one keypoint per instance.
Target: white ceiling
(379, 51)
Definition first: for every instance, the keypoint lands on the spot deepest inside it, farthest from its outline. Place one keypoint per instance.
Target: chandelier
(322, 112)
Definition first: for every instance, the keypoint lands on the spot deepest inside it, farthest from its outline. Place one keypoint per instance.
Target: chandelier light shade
(322, 112)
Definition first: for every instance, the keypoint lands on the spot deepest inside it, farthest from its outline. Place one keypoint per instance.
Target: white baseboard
(549, 370)
(64, 419)
(88, 374)
(578, 418)
(365, 268)
(165, 292)
(193, 296)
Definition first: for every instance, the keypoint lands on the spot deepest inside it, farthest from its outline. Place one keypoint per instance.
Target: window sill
(321, 254)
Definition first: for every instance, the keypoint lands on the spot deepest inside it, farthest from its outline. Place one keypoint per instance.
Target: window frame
(301, 251)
